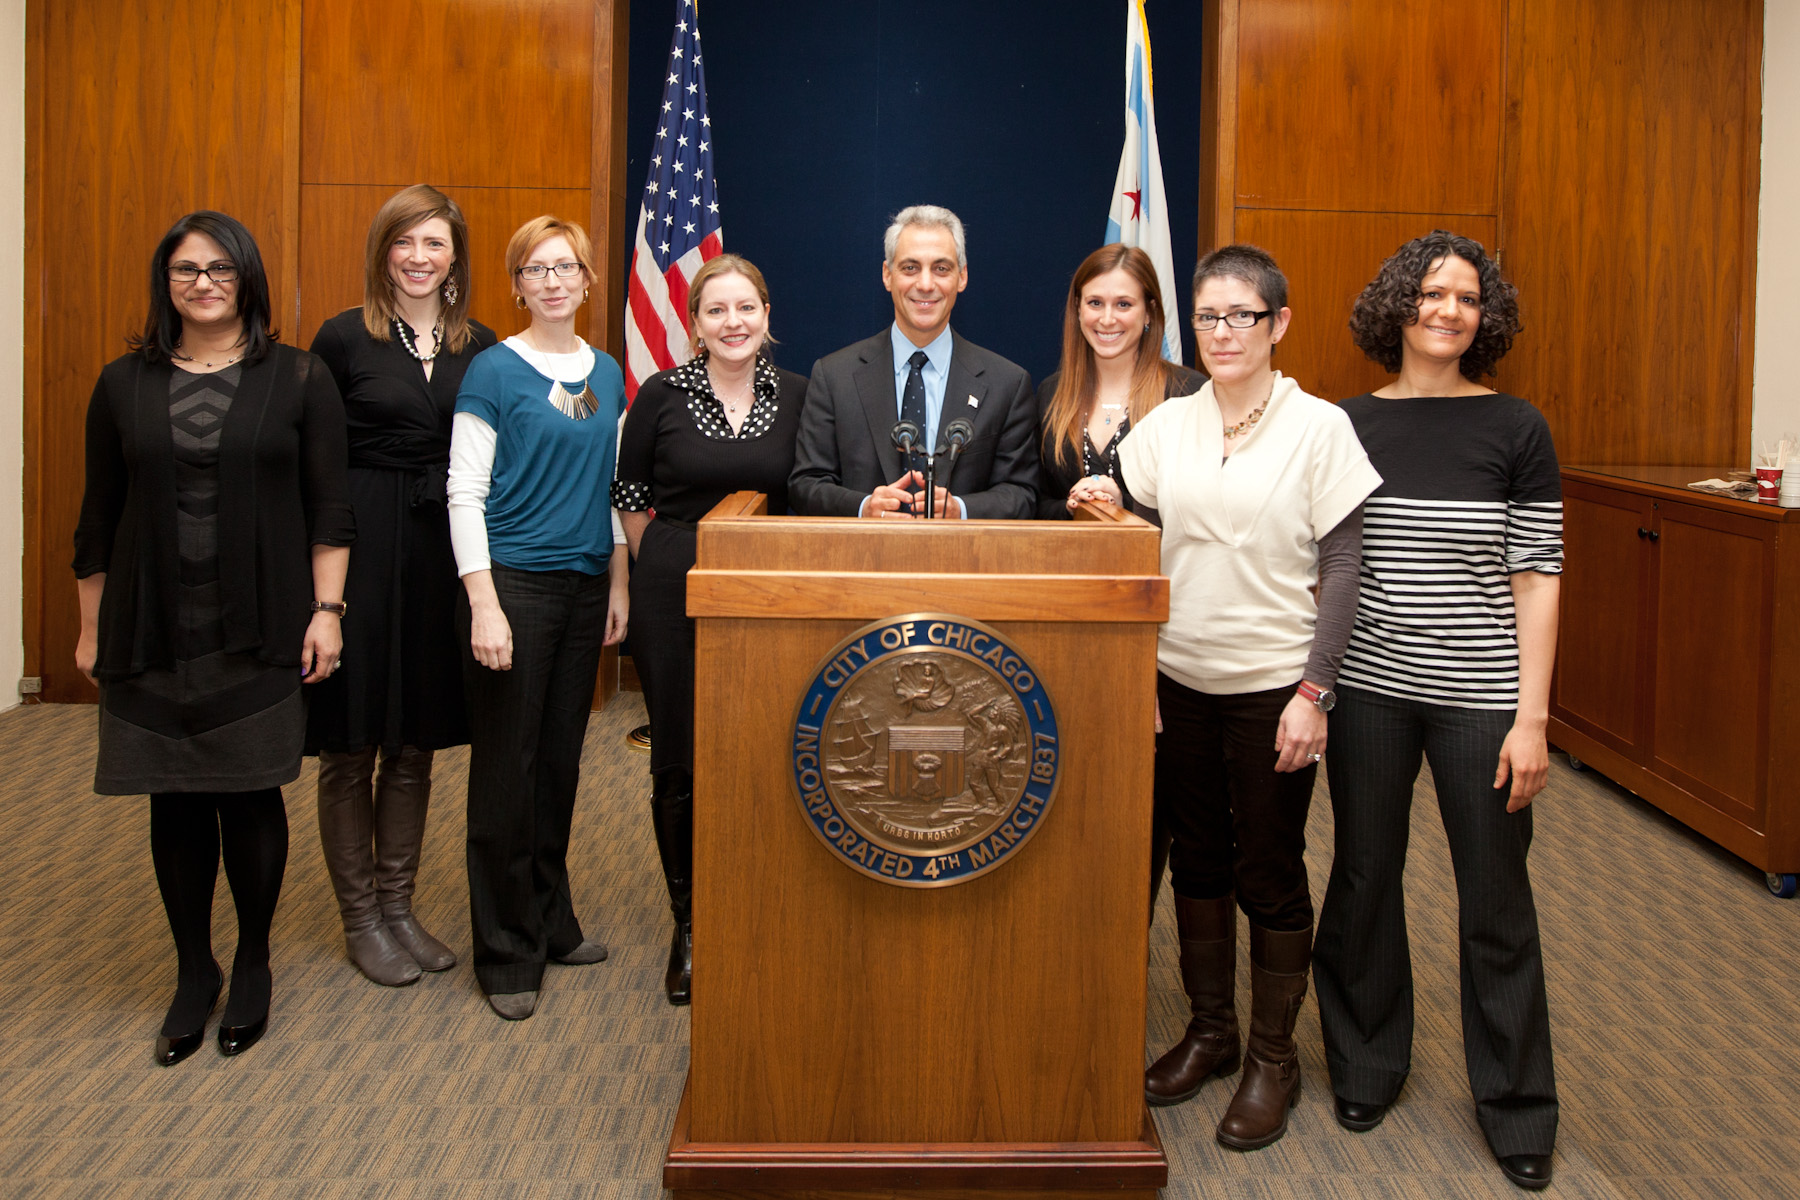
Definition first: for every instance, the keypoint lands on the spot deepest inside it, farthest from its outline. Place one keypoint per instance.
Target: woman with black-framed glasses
(1260, 488)
(531, 467)
(210, 560)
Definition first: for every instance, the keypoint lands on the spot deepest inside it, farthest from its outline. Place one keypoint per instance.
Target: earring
(450, 293)
(699, 344)
(1146, 327)
(519, 300)
(584, 295)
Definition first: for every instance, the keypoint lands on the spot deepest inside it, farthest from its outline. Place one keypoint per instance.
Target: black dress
(218, 721)
(677, 454)
(1056, 478)
(401, 682)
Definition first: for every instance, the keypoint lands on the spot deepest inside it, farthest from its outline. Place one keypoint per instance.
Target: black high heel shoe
(171, 1050)
(235, 1039)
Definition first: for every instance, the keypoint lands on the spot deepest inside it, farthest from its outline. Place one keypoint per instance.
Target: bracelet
(331, 606)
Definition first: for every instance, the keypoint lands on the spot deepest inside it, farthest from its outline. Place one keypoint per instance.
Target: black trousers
(1362, 965)
(526, 727)
(662, 642)
(1238, 824)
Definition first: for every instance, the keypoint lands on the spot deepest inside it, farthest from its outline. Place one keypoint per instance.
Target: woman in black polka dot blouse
(723, 422)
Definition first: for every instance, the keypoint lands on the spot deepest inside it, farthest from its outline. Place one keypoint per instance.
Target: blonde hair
(404, 210)
(711, 269)
(536, 232)
(1072, 405)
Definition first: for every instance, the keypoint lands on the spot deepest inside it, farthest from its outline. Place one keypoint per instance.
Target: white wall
(1776, 407)
(12, 336)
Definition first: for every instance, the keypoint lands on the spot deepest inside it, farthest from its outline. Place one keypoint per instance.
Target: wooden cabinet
(1679, 652)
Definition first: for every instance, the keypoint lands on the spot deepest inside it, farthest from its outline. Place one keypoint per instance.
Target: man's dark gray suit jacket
(846, 448)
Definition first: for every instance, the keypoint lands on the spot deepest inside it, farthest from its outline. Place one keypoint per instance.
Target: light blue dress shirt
(936, 372)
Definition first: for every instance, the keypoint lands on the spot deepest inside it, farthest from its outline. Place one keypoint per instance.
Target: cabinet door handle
(1649, 533)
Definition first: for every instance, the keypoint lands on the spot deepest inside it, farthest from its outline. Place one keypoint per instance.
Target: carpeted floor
(1672, 973)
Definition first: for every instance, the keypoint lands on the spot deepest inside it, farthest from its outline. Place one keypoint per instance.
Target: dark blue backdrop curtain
(829, 117)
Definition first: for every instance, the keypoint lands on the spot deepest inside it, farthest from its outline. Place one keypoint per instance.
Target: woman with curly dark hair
(1450, 661)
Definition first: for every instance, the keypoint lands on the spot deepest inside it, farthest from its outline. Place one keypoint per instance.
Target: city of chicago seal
(925, 750)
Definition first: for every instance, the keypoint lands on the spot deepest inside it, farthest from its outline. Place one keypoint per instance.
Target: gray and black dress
(216, 722)
(205, 494)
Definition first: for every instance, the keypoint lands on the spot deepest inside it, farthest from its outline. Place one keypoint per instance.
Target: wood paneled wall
(1605, 150)
(299, 117)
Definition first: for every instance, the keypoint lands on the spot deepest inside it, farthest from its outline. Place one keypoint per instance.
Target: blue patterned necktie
(912, 400)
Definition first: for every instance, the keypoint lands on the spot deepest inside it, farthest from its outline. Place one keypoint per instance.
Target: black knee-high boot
(672, 811)
(253, 833)
(184, 846)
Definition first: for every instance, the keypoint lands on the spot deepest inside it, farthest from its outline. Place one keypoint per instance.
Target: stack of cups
(1790, 485)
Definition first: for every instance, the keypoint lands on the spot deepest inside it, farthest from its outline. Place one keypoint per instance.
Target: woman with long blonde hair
(398, 361)
(1111, 374)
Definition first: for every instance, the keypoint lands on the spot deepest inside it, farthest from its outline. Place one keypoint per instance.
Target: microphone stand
(930, 484)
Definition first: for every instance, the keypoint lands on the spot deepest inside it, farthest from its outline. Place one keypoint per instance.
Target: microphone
(957, 434)
(906, 439)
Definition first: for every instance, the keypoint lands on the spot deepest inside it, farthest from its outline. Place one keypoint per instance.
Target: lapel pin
(974, 402)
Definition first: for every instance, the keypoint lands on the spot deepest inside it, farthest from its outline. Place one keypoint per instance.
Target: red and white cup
(1768, 482)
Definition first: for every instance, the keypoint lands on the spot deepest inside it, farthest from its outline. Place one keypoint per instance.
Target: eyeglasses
(218, 273)
(1243, 319)
(567, 270)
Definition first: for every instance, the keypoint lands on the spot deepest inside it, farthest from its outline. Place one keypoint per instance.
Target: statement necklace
(1247, 424)
(211, 366)
(404, 332)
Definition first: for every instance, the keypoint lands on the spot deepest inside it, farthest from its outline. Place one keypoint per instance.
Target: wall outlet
(31, 685)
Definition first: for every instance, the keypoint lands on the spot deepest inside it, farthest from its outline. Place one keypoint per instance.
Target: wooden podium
(854, 1036)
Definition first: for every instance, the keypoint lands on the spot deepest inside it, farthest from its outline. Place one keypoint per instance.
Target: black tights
(188, 831)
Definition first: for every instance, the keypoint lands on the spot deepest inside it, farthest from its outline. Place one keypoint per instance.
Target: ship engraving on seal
(925, 750)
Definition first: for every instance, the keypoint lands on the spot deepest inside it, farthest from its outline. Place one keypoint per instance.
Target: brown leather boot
(1258, 1114)
(346, 834)
(402, 798)
(1208, 931)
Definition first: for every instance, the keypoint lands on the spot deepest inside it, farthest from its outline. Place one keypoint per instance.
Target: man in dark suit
(846, 465)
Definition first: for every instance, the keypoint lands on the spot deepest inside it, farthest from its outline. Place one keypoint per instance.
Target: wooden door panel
(1602, 675)
(1329, 257)
(1715, 582)
(1624, 188)
(465, 93)
(1352, 104)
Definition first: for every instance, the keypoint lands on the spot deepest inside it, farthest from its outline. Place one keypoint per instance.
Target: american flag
(678, 223)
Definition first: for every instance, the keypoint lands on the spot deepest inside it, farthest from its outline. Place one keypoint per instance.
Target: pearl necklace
(437, 340)
(1244, 426)
(180, 357)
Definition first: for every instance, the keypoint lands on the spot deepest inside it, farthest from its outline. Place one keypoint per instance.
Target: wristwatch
(1324, 699)
(331, 606)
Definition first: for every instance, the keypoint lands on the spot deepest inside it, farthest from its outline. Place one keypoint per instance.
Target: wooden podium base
(948, 1170)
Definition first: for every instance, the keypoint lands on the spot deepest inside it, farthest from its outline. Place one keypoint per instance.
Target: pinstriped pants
(1362, 965)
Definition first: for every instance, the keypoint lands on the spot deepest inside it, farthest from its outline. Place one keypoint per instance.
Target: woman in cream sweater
(1260, 487)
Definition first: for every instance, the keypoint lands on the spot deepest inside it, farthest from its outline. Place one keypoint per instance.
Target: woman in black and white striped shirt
(1450, 661)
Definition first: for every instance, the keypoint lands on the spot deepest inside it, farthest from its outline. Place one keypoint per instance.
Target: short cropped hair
(1249, 264)
(926, 216)
(1391, 302)
(405, 209)
(536, 232)
(162, 328)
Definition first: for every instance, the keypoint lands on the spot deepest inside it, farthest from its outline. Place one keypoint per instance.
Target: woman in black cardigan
(398, 360)
(1112, 372)
(210, 560)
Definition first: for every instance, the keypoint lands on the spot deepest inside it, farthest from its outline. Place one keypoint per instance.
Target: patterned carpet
(1672, 976)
